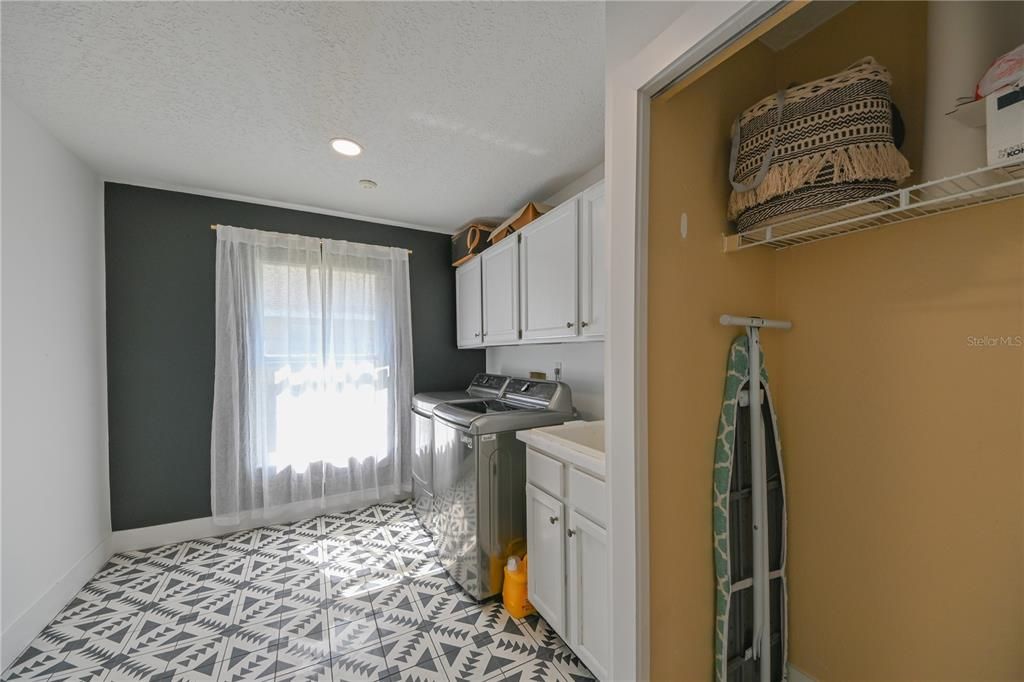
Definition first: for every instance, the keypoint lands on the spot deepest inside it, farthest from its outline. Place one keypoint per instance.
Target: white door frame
(699, 32)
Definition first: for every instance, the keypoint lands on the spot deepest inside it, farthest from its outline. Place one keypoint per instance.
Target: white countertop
(578, 443)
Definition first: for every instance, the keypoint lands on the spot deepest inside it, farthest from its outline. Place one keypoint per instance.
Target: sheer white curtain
(313, 374)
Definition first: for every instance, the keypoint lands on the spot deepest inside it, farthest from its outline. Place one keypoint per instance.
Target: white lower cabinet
(589, 593)
(567, 580)
(545, 530)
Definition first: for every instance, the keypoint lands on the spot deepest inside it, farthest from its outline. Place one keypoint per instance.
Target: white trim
(695, 35)
(797, 675)
(306, 208)
(193, 529)
(627, 558)
(170, 533)
(20, 633)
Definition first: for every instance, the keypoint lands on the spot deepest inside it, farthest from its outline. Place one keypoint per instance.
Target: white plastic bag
(1007, 70)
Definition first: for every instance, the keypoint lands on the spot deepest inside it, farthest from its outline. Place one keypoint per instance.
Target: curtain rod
(214, 227)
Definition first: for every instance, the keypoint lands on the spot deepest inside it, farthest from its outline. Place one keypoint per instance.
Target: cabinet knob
(477, 334)
(570, 532)
(553, 520)
(583, 324)
(568, 325)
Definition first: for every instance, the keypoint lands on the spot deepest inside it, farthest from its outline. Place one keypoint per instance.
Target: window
(314, 371)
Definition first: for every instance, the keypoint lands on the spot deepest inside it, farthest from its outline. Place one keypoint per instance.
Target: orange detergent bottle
(513, 592)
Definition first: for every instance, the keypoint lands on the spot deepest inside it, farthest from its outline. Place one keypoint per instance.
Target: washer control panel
(494, 382)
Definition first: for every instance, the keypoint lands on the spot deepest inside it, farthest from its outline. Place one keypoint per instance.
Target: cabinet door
(545, 542)
(468, 308)
(589, 593)
(548, 258)
(593, 268)
(501, 291)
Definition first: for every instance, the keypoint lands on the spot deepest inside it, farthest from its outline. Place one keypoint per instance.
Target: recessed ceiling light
(367, 184)
(346, 147)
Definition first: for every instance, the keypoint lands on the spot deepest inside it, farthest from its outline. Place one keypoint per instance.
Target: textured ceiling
(465, 109)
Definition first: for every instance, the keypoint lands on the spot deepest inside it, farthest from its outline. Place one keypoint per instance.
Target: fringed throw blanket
(815, 146)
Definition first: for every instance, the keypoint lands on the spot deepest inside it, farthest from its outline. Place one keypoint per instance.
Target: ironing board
(751, 601)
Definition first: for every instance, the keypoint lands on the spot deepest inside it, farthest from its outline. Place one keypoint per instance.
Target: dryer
(423, 404)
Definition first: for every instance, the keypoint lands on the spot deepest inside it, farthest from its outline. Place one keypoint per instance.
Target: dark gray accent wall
(160, 258)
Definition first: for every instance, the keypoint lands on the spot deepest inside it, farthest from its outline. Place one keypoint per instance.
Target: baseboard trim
(169, 533)
(30, 623)
(193, 529)
(797, 675)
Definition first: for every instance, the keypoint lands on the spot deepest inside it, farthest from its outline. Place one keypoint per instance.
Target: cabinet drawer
(544, 472)
(589, 496)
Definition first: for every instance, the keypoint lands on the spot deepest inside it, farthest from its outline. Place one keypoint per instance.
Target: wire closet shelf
(974, 188)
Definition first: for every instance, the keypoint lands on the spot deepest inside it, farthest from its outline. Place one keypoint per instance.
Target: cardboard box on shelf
(520, 219)
(1004, 125)
(1001, 114)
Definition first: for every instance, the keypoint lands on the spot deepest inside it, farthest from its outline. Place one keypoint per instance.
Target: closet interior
(900, 491)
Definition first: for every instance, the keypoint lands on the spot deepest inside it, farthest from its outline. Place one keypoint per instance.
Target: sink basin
(580, 443)
(581, 436)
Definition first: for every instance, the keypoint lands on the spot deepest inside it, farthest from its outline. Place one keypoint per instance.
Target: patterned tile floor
(353, 596)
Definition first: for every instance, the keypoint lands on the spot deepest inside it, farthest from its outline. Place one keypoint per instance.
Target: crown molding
(276, 204)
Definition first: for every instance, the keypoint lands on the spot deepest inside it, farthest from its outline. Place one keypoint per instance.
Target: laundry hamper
(814, 146)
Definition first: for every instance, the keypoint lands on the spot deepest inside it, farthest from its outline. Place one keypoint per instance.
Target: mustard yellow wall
(691, 283)
(902, 442)
(903, 448)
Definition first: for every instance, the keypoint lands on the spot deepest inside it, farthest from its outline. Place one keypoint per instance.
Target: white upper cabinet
(547, 282)
(468, 305)
(548, 254)
(500, 265)
(593, 267)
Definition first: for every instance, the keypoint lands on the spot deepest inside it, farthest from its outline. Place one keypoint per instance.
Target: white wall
(55, 504)
(631, 24)
(591, 177)
(582, 369)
